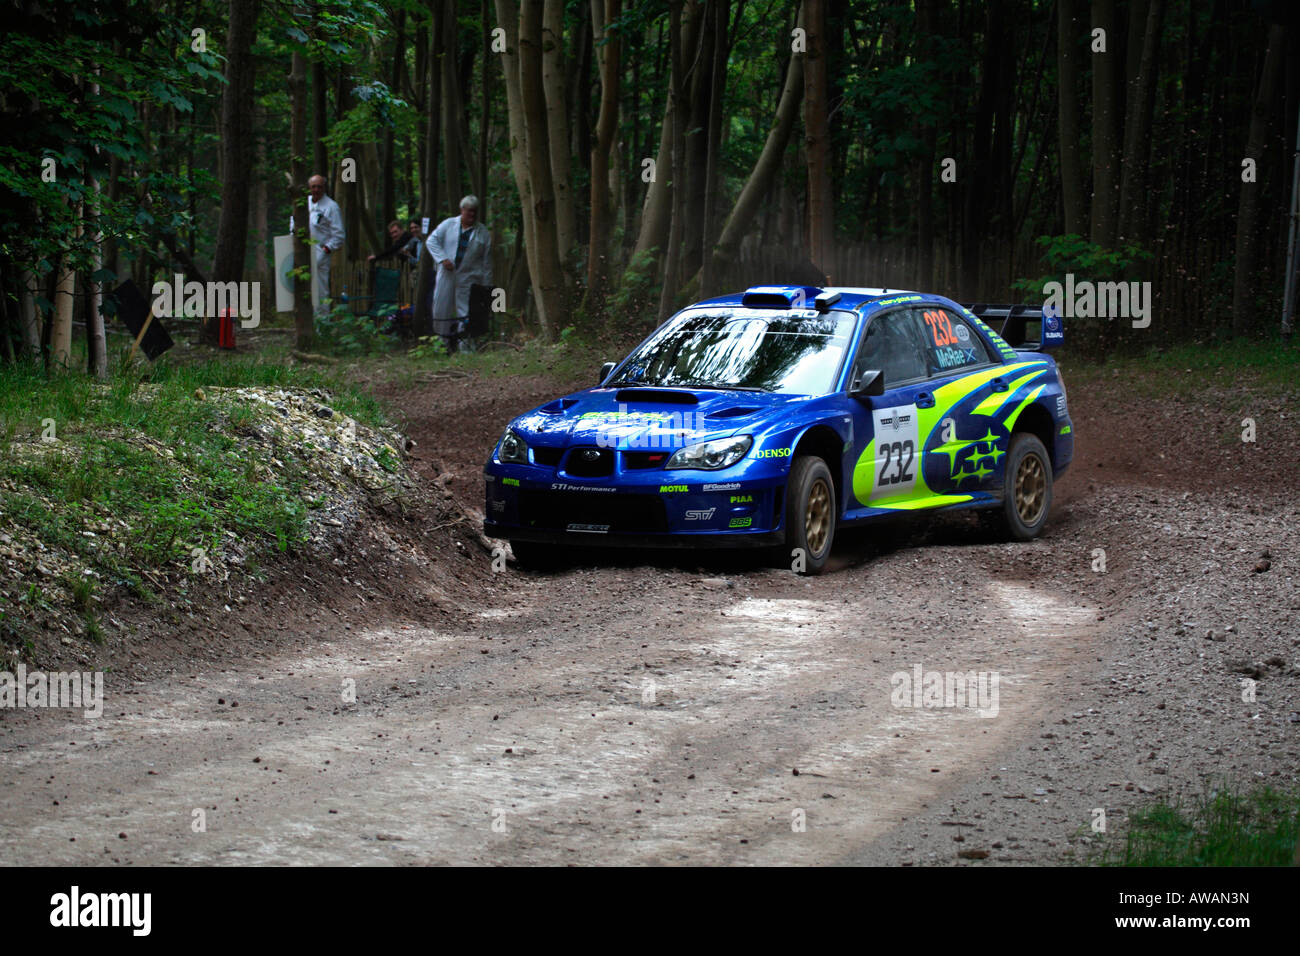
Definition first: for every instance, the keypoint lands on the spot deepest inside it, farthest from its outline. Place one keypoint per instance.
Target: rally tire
(1026, 487)
(810, 513)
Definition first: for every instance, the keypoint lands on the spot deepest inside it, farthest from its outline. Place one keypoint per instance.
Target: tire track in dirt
(554, 732)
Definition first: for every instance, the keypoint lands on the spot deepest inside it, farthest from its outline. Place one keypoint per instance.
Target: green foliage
(1087, 261)
(1260, 828)
(429, 346)
(76, 79)
(344, 333)
(375, 111)
(636, 300)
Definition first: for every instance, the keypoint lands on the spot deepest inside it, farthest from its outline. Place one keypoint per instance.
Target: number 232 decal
(902, 467)
(940, 328)
(896, 457)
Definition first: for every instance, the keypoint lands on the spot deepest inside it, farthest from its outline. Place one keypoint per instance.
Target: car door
(888, 462)
(967, 444)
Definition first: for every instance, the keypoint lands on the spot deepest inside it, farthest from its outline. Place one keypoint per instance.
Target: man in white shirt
(326, 221)
(462, 254)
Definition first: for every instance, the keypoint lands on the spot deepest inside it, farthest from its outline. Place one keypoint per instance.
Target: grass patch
(142, 470)
(1268, 367)
(1223, 829)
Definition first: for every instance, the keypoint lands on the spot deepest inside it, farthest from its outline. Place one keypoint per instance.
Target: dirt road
(718, 713)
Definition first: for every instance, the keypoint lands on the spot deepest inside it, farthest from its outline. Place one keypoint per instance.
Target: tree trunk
(717, 85)
(485, 108)
(236, 142)
(678, 48)
(451, 105)
(656, 211)
(1070, 142)
(421, 314)
(96, 343)
(320, 124)
(350, 195)
(1137, 129)
(698, 48)
(263, 252)
(557, 128)
(1244, 285)
(546, 267)
(758, 185)
(304, 326)
(61, 332)
(608, 56)
(1106, 85)
(821, 207)
(31, 328)
(927, 28)
(388, 157)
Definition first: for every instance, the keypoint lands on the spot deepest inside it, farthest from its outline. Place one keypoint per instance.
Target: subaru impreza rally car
(773, 417)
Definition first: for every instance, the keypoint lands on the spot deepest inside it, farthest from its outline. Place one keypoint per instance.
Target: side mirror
(868, 383)
(605, 370)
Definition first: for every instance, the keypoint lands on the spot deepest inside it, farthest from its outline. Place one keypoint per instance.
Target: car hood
(642, 417)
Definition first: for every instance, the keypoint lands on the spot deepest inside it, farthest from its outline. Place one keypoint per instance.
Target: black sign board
(133, 309)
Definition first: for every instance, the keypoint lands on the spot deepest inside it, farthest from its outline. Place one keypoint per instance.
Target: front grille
(590, 462)
(625, 514)
(547, 456)
(644, 459)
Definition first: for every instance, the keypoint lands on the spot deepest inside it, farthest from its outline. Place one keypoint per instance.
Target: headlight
(712, 455)
(513, 449)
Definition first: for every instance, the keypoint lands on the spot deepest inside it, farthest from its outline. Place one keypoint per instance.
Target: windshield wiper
(693, 383)
(727, 388)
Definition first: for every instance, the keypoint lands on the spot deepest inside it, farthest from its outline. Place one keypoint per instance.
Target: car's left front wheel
(810, 514)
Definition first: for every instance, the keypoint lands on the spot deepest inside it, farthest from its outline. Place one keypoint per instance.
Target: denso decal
(773, 453)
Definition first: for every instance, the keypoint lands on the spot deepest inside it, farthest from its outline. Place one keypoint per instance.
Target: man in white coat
(461, 247)
(326, 221)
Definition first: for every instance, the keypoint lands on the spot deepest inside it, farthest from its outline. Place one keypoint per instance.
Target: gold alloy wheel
(1031, 489)
(817, 516)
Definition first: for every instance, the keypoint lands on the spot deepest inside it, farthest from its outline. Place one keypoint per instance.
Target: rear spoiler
(1015, 323)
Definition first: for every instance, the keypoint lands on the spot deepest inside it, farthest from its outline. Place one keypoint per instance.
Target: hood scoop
(662, 396)
(559, 406)
(736, 411)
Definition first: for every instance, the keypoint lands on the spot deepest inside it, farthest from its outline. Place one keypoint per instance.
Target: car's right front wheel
(809, 514)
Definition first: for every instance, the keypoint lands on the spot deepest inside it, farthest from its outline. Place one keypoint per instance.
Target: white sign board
(283, 250)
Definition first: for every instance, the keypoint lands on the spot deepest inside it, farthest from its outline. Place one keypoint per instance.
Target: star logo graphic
(973, 466)
(953, 448)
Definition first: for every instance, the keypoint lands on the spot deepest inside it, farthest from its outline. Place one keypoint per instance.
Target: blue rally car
(773, 417)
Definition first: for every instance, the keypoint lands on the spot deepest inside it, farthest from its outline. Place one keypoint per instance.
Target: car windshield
(755, 349)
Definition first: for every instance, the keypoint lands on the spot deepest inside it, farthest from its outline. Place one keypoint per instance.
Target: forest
(632, 157)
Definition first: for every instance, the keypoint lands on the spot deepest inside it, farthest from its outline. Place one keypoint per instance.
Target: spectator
(399, 244)
(415, 239)
(462, 254)
(326, 222)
